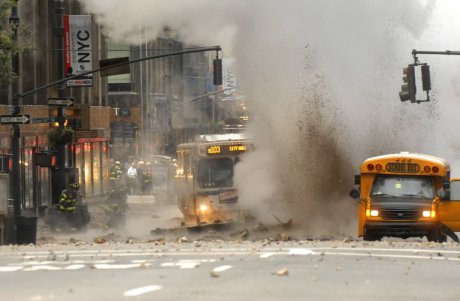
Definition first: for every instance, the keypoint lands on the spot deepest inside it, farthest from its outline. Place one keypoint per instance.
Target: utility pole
(15, 177)
(59, 31)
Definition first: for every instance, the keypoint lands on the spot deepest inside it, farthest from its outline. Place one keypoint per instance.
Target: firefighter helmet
(75, 186)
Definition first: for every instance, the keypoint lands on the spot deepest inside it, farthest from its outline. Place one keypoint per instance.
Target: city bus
(204, 177)
(407, 195)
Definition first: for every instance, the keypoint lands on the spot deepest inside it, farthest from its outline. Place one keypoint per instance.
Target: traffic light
(408, 89)
(217, 69)
(426, 81)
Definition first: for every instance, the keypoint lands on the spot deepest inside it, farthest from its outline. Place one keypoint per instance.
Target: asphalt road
(222, 270)
(129, 263)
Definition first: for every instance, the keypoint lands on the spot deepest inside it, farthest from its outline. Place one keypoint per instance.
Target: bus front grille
(398, 214)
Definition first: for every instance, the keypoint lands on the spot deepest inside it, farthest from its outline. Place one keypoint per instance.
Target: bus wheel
(371, 236)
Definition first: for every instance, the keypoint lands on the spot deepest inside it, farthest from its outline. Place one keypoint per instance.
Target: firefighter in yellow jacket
(116, 172)
(69, 198)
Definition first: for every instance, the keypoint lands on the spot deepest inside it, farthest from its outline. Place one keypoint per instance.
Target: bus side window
(180, 160)
(186, 163)
(455, 190)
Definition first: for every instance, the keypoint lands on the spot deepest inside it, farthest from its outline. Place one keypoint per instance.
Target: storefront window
(105, 167)
(26, 169)
(97, 177)
(79, 164)
(88, 183)
(44, 189)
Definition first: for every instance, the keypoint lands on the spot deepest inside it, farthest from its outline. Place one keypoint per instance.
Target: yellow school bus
(407, 195)
(205, 189)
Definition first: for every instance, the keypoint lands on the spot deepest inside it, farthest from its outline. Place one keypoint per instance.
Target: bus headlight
(429, 213)
(204, 208)
(372, 212)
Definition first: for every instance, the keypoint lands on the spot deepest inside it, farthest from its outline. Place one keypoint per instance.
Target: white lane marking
(141, 290)
(74, 267)
(301, 251)
(120, 266)
(393, 256)
(182, 265)
(42, 267)
(267, 255)
(222, 268)
(389, 250)
(10, 269)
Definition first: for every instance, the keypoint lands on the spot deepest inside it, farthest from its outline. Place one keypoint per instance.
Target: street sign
(62, 102)
(14, 119)
(43, 120)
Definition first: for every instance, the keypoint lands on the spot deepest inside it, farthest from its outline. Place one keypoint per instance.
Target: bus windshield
(402, 186)
(216, 172)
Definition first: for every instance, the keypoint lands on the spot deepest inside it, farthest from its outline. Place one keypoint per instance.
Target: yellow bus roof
(429, 160)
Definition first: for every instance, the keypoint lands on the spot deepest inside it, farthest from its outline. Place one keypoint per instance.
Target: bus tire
(371, 235)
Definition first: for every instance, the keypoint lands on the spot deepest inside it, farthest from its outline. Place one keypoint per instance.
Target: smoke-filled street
(229, 150)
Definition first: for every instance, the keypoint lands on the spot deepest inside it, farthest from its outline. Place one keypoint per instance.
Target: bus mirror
(446, 185)
(354, 193)
(357, 179)
(444, 194)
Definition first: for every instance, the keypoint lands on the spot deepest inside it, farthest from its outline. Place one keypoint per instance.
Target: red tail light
(427, 169)
(370, 167)
(435, 169)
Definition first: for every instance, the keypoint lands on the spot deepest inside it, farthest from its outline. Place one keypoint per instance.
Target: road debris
(282, 272)
(285, 225)
(100, 240)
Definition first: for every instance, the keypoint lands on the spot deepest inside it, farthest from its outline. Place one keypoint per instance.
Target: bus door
(449, 210)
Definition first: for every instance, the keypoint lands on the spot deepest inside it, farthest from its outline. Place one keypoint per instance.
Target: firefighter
(115, 174)
(70, 212)
(140, 176)
(116, 206)
(147, 179)
(69, 198)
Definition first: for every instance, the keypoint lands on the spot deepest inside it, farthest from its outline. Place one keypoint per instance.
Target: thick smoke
(322, 78)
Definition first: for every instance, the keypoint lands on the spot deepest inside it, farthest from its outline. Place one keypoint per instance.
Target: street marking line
(393, 256)
(222, 268)
(10, 269)
(267, 255)
(141, 290)
(120, 266)
(42, 267)
(301, 251)
(74, 267)
(182, 265)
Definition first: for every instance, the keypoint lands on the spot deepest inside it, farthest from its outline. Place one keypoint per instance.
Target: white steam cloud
(322, 78)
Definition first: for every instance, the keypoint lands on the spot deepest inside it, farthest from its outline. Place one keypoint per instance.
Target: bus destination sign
(226, 149)
(398, 167)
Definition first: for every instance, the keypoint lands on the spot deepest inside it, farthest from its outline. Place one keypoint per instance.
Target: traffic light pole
(59, 31)
(15, 177)
(447, 52)
(83, 74)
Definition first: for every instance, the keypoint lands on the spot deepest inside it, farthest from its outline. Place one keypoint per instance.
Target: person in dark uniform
(69, 198)
(116, 172)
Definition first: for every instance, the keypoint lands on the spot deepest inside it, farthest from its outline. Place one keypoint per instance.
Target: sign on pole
(43, 120)
(78, 50)
(14, 119)
(62, 102)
